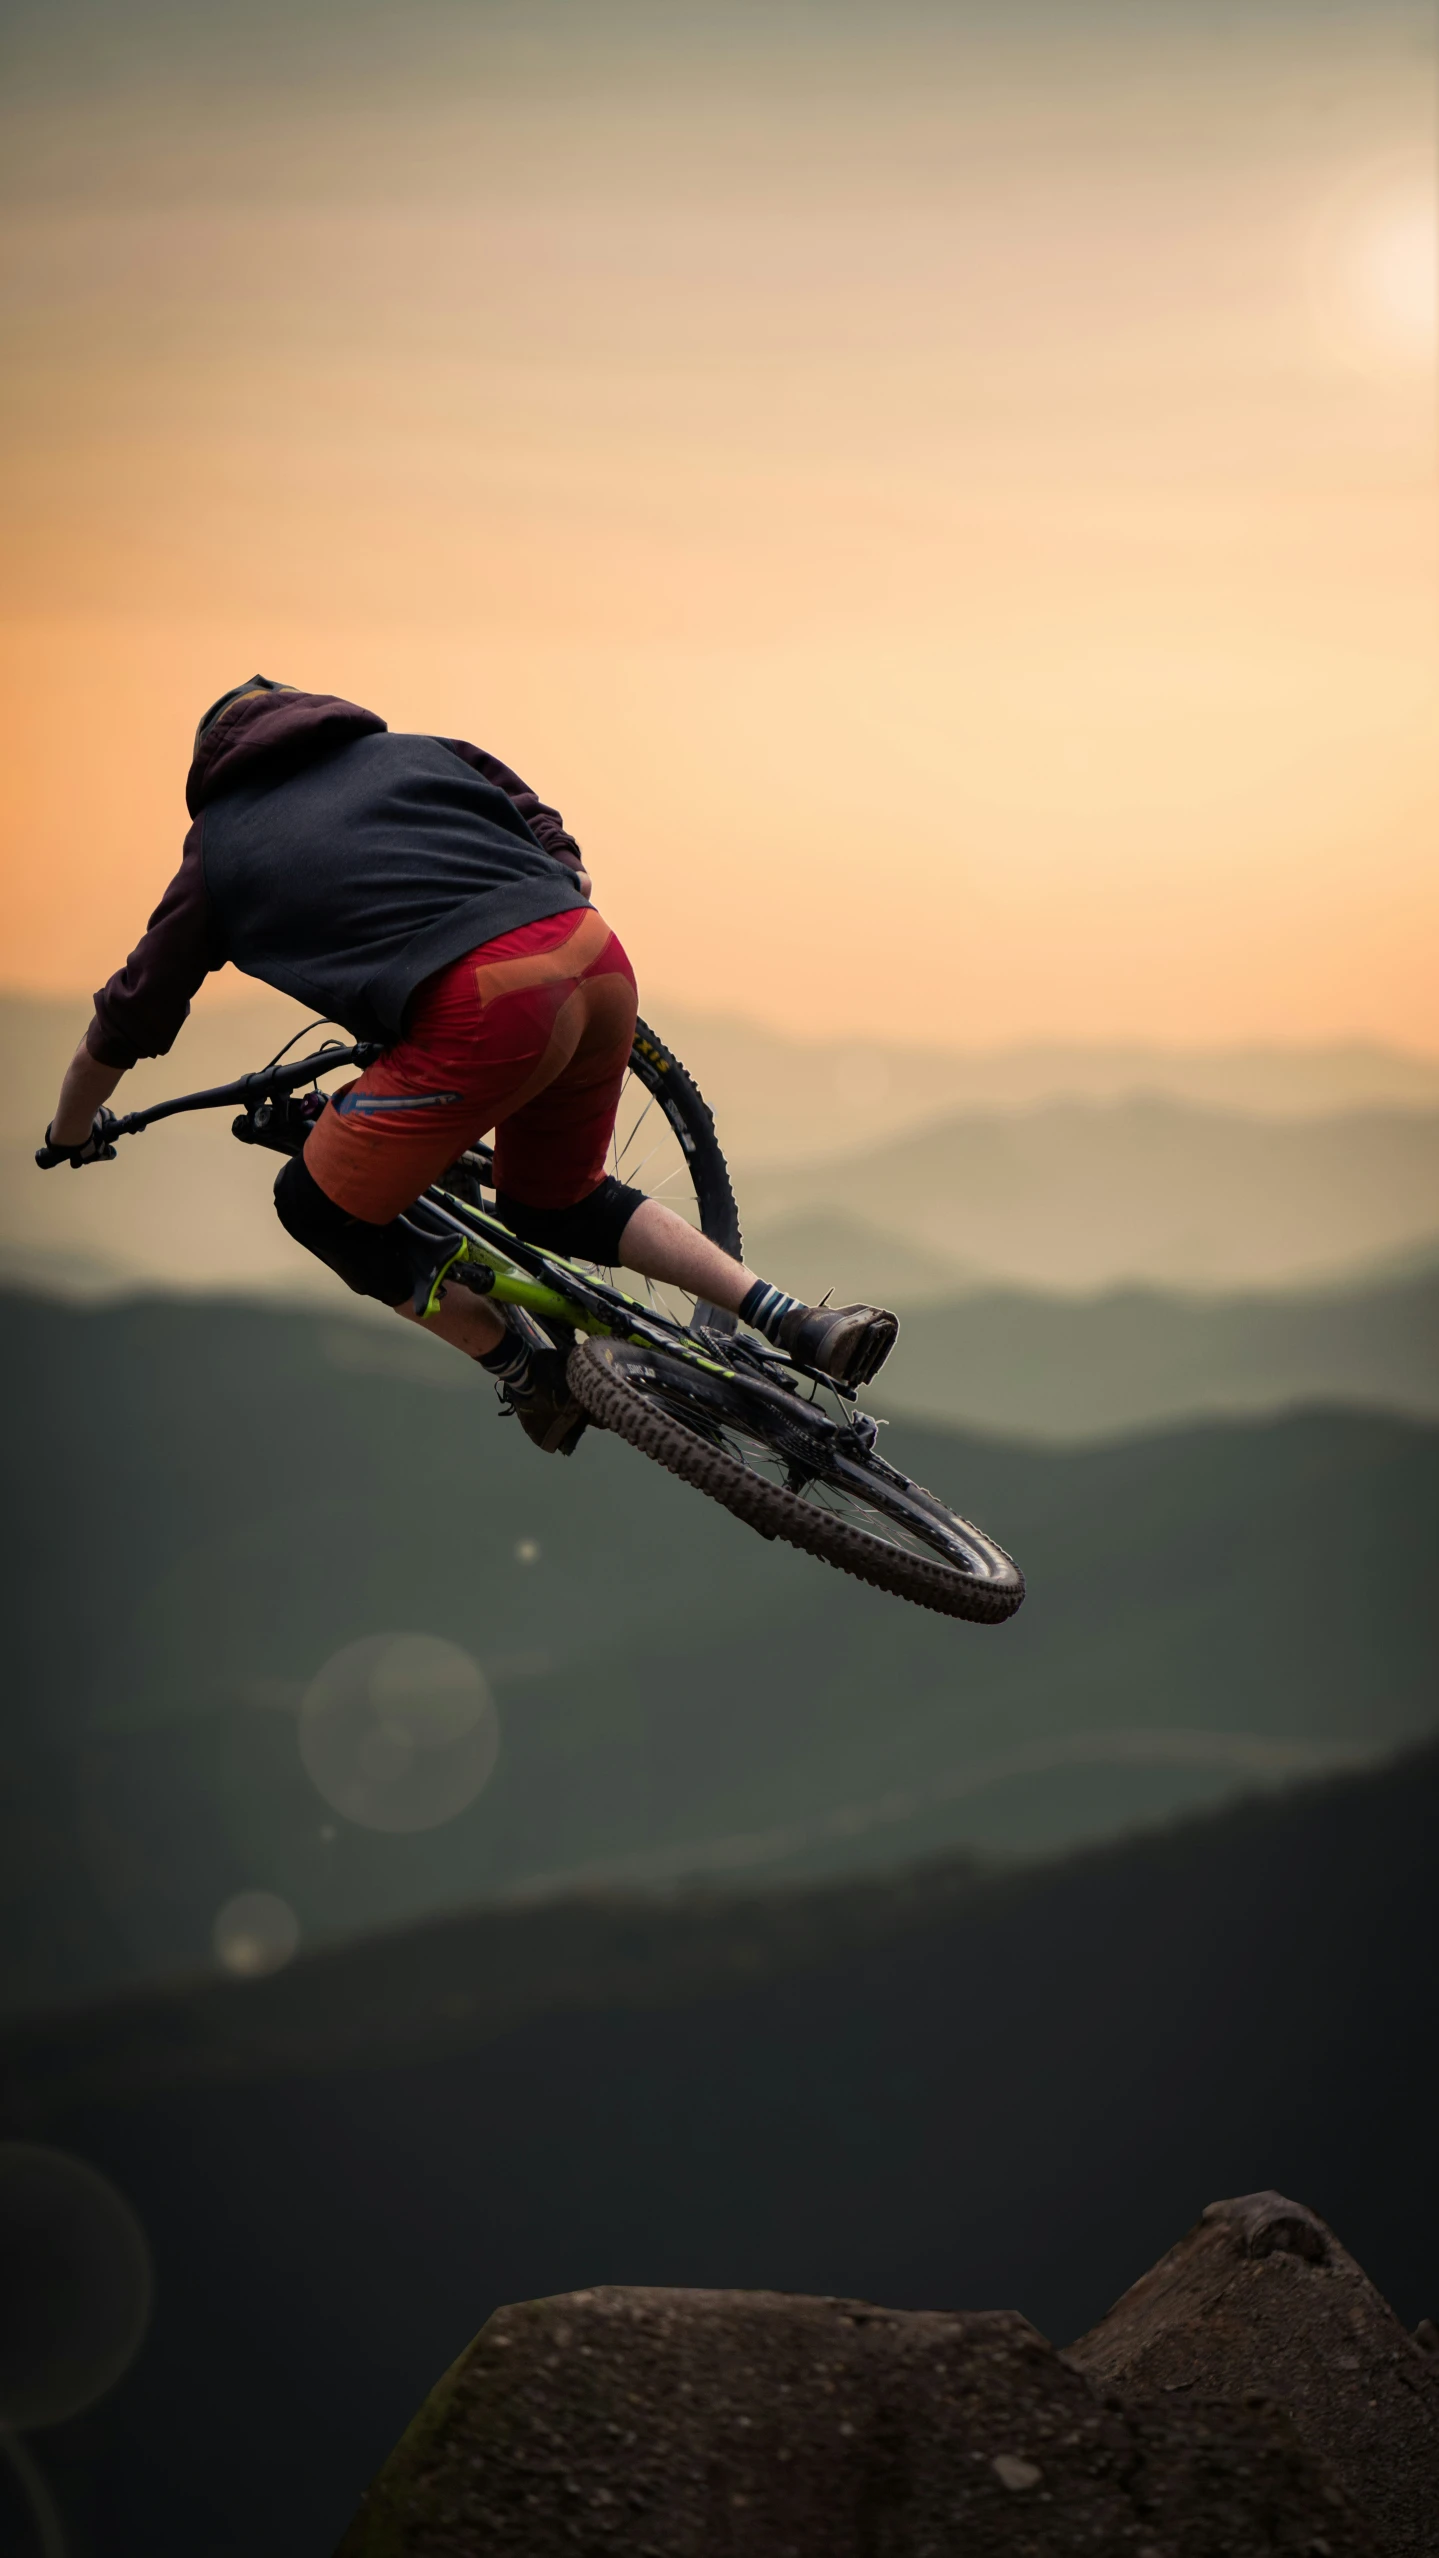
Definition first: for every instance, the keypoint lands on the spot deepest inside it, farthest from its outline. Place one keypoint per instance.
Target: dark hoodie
(337, 862)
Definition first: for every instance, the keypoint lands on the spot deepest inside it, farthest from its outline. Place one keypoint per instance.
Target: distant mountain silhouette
(782, 1100)
(934, 2091)
(1063, 1168)
(1082, 1195)
(1211, 1609)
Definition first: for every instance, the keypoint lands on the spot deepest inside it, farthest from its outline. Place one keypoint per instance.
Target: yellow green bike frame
(482, 1245)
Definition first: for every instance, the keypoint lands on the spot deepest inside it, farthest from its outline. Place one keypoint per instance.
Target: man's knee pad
(373, 1260)
(589, 1231)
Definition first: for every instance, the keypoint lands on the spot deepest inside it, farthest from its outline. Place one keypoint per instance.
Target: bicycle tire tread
(772, 1511)
(720, 1209)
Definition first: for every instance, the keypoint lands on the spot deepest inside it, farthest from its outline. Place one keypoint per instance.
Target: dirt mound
(1261, 2297)
(680, 2424)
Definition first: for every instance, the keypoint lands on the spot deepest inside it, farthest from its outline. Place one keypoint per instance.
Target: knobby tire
(601, 1380)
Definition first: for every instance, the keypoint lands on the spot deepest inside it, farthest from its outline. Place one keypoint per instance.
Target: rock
(683, 2424)
(1260, 2297)
(1017, 2474)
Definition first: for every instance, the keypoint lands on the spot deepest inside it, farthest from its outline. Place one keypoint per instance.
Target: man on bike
(416, 890)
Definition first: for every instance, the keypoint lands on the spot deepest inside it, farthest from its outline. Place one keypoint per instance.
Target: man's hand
(73, 1135)
(95, 1149)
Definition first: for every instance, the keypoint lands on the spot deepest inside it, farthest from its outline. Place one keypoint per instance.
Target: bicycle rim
(784, 1475)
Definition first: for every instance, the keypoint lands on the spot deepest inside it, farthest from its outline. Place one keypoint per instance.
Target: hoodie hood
(261, 732)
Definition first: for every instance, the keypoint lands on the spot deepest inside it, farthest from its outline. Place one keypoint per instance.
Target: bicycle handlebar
(267, 1081)
(265, 1084)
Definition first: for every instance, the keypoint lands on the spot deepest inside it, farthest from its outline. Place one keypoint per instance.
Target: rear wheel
(782, 1465)
(665, 1144)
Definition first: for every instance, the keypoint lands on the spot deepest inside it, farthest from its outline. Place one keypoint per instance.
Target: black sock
(766, 1307)
(509, 1360)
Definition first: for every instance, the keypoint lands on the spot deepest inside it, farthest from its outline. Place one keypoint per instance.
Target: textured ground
(691, 2424)
(1261, 2296)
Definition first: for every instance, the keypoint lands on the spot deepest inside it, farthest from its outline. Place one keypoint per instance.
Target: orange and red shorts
(529, 1035)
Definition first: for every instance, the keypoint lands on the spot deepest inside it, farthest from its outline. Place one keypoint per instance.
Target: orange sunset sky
(942, 496)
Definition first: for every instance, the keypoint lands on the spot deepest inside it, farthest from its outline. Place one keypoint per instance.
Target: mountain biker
(416, 890)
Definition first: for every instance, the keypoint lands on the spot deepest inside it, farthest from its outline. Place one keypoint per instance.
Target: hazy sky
(943, 496)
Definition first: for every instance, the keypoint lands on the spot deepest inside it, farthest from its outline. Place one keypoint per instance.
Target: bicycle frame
(487, 1257)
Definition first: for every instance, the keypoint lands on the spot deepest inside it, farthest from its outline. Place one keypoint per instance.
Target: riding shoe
(544, 1407)
(848, 1343)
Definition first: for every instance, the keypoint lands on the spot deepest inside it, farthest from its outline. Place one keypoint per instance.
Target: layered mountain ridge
(675, 1697)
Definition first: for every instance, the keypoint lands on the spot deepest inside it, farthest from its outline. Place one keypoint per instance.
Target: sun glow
(990, 483)
(1377, 274)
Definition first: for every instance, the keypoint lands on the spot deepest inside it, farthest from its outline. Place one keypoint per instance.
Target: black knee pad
(589, 1231)
(373, 1260)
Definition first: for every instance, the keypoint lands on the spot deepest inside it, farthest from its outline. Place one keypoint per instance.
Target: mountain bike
(780, 1445)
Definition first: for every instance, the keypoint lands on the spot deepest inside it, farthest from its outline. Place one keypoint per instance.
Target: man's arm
(140, 1011)
(86, 1089)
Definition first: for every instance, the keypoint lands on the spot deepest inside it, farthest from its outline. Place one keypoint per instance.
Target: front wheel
(782, 1465)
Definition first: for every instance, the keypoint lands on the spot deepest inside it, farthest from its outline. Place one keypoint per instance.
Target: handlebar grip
(97, 1148)
(270, 1085)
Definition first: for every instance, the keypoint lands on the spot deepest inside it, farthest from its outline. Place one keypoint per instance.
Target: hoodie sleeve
(139, 1012)
(545, 823)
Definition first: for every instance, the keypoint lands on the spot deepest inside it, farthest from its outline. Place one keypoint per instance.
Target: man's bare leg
(533, 1383)
(462, 1319)
(847, 1342)
(659, 1245)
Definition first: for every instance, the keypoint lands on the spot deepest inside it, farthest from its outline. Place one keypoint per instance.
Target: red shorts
(529, 1035)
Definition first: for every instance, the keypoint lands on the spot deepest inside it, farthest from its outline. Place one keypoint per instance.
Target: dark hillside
(1136, 1358)
(938, 2094)
(253, 1489)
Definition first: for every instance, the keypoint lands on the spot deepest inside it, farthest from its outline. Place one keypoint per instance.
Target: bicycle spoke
(634, 1132)
(663, 1171)
(875, 1514)
(649, 1159)
(859, 1513)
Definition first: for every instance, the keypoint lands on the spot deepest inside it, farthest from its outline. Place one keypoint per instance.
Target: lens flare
(75, 2285)
(255, 1933)
(399, 1731)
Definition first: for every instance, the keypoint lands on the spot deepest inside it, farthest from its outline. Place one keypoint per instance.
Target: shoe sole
(563, 1435)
